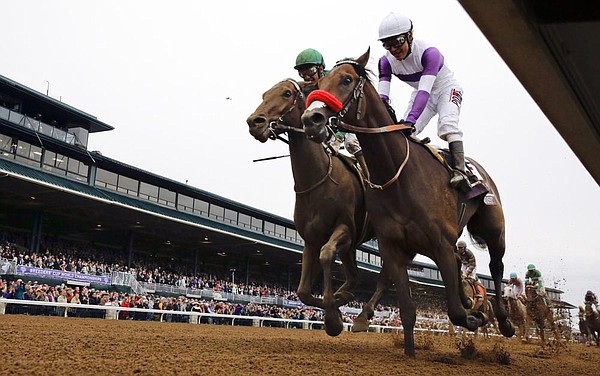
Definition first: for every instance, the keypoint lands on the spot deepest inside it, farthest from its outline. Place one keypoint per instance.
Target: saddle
(476, 180)
(478, 292)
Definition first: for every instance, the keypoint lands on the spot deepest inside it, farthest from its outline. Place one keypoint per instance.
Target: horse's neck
(309, 161)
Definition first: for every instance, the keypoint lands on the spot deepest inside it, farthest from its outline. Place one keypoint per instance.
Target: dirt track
(38, 345)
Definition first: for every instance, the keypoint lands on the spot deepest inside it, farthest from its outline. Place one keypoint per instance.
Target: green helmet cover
(530, 267)
(309, 56)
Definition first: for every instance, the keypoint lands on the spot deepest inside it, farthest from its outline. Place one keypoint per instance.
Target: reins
(280, 125)
(335, 122)
(328, 175)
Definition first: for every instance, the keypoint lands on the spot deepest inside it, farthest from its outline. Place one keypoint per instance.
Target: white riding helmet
(394, 24)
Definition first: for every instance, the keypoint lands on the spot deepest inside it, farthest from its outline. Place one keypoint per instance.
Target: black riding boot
(459, 178)
(363, 164)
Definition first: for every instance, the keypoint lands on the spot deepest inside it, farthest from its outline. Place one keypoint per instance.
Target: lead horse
(330, 211)
(412, 207)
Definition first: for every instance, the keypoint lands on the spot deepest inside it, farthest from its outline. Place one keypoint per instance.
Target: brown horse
(477, 295)
(330, 212)
(517, 313)
(417, 212)
(540, 312)
(592, 320)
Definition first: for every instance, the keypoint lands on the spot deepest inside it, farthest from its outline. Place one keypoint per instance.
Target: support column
(36, 232)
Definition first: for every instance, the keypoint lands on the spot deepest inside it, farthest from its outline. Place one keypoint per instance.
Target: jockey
(517, 289)
(436, 91)
(533, 277)
(467, 258)
(592, 298)
(310, 65)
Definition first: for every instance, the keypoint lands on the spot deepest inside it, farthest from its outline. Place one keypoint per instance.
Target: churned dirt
(38, 345)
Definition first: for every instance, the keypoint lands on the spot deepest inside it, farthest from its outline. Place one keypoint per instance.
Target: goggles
(308, 72)
(395, 42)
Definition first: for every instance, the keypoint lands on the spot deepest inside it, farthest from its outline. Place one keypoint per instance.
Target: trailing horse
(517, 313)
(592, 320)
(330, 211)
(540, 313)
(410, 203)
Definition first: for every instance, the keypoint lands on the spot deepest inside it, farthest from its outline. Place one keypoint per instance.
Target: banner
(31, 271)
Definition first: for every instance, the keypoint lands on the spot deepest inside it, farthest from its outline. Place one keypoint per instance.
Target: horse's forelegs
(310, 264)
(456, 311)
(339, 240)
(408, 312)
(497, 269)
(361, 323)
(344, 294)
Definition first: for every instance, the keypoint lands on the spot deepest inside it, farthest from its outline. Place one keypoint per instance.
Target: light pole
(47, 88)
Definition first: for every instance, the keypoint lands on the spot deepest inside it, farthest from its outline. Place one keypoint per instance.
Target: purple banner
(62, 274)
(293, 303)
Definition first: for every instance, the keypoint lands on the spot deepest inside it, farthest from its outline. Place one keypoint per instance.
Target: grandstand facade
(53, 188)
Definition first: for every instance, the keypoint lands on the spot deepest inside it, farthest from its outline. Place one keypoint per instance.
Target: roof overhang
(552, 48)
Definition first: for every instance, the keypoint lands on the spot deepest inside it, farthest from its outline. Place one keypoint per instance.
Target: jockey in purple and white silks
(436, 91)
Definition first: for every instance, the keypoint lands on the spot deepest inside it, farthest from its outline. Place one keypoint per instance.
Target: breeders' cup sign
(62, 274)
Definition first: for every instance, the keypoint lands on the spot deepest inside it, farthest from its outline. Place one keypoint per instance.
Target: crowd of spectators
(430, 311)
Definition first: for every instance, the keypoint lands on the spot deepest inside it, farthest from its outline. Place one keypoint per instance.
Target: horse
(477, 295)
(330, 211)
(592, 320)
(517, 313)
(418, 212)
(540, 313)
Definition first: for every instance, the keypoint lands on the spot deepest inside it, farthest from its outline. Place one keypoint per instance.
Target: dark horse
(477, 294)
(540, 313)
(418, 212)
(330, 212)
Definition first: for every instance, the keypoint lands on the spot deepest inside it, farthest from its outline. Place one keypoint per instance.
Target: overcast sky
(178, 82)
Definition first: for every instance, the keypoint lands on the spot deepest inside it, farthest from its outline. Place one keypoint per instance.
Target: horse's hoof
(472, 323)
(333, 323)
(360, 325)
(343, 297)
(506, 328)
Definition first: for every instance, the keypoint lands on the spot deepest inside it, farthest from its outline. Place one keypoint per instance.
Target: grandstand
(54, 190)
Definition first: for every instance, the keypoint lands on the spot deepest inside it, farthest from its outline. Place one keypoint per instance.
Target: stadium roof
(552, 48)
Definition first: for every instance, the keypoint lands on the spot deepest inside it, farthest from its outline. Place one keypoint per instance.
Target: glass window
(166, 197)
(269, 228)
(29, 154)
(257, 224)
(17, 118)
(280, 231)
(148, 192)
(201, 207)
(185, 203)
(5, 142)
(216, 212)
(106, 179)
(59, 134)
(128, 185)
(44, 128)
(4, 112)
(291, 234)
(244, 220)
(77, 170)
(231, 216)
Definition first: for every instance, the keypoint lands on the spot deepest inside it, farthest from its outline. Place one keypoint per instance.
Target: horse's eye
(347, 81)
(287, 94)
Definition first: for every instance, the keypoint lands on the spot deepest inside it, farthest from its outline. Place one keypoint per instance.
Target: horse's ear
(364, 58)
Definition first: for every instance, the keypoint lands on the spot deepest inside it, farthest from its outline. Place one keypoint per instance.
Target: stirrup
(459, 180)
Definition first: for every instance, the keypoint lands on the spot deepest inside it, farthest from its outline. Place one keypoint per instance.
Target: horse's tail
(478, 242)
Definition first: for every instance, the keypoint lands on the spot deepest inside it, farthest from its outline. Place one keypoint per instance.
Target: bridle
(334, 123)
(279, 124)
